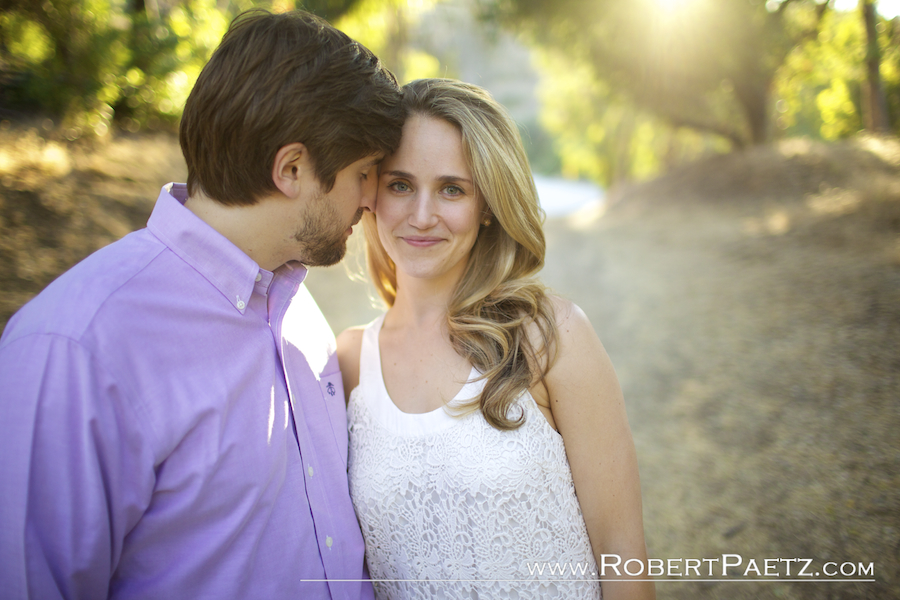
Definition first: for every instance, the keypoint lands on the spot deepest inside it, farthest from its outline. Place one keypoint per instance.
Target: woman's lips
(421, 241)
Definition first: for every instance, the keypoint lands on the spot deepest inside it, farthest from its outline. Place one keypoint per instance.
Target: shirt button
(258, 277)
(310, 470)
(328, 541)
(241, 304)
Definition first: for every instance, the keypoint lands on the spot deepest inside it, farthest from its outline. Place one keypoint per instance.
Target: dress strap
(370, 357)
(382, 407)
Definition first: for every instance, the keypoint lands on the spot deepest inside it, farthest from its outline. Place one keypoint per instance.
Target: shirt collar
(222, 263)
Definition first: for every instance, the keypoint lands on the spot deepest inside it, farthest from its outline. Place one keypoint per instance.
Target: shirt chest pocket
(333, 392)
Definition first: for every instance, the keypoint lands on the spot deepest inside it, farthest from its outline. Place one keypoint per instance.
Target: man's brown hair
(276, 79)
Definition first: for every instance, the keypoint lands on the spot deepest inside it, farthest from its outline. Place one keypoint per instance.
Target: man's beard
(323, 236)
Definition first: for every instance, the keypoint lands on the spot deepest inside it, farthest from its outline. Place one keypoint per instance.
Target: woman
(480, 406)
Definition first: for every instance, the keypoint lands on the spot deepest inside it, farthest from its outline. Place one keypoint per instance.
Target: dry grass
(59, 203)
(750, 302)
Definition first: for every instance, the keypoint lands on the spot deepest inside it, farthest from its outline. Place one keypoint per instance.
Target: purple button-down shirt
(172, 425)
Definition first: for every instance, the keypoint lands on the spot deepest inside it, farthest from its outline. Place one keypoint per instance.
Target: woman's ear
(288, 169)
(486, 216)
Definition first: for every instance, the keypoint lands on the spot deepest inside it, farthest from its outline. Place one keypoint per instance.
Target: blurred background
(722, 185)
(604, 90)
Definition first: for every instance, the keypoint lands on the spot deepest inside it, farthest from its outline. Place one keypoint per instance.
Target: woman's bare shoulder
(566, 313)
(349, 344)
(566, 318)
(352, 336)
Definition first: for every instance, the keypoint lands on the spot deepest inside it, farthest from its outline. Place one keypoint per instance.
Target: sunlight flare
(670, 6)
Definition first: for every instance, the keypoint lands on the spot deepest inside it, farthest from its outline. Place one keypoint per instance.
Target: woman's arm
(589, 412)
(349, 343)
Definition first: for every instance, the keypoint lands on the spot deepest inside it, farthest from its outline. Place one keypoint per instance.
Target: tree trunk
(875, 115)
(620, 151)
(753, 96)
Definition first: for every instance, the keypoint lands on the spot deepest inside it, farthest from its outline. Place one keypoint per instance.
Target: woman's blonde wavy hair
(497, 299)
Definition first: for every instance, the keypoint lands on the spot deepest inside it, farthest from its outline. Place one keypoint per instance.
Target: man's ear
(291, 163)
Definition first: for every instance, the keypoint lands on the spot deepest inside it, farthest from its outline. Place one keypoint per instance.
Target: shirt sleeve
(76, 473)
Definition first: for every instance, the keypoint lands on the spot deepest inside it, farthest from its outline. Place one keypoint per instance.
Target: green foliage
(165, 60)
(87, 62)
(57, 52)
(704, 64)
(819, 88)
(383, 26)
(600, 136)
(330, 10)
(630, 88)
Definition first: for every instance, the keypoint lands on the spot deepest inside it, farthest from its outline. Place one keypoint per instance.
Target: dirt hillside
(750, 302)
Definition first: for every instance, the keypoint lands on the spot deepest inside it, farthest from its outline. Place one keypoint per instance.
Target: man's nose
(370, 188)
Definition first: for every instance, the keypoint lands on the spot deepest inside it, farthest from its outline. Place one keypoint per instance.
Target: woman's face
(428, 211)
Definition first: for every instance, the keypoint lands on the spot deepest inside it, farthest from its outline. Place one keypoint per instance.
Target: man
(172, 422)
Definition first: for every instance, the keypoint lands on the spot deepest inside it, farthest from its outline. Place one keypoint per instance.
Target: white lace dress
(452, 508)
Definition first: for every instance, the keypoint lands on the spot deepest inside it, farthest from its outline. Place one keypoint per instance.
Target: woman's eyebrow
(442, 178)
(402, 174)
(454, 179)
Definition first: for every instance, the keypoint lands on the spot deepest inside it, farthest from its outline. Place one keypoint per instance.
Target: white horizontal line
(734, 580)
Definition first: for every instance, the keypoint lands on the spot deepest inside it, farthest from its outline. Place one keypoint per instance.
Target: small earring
(486, 221)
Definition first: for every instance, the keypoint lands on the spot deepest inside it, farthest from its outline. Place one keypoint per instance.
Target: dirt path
(751, 305)
(760, 357)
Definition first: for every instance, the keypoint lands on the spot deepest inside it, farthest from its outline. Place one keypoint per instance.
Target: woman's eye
(399, 186)
(454, 190)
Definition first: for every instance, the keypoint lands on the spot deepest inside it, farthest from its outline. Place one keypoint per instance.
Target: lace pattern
(452, 508)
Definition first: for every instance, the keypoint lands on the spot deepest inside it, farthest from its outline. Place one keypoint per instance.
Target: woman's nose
(423, 215)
